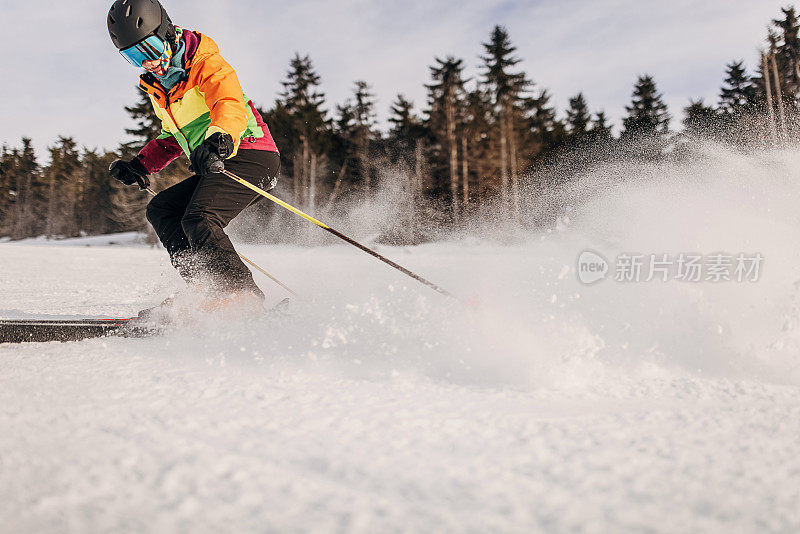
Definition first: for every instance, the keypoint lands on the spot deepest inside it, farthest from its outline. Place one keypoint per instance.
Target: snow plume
(535, 324)
(713, 201)
(345, 208)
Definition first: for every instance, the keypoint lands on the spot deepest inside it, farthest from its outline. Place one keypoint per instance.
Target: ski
(43, 330)
(71, 329)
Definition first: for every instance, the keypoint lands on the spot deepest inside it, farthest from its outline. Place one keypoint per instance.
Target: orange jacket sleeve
(223, 95)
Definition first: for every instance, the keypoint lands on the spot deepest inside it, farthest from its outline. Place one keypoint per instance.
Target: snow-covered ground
(379, 406)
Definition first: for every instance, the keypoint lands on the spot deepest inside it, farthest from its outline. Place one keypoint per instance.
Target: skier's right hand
(130, 172)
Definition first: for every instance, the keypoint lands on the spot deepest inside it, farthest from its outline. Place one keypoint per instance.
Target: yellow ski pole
(251, 262)
(327, 228)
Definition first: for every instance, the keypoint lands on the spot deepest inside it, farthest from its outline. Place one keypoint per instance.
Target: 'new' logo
(592, 267)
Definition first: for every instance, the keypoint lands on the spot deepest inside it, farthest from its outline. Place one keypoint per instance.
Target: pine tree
(127, 208)
(344, 137)
(344, 134)
(476, 148)
(647, 114)
(94, 206)
(7, 191)
(545, 132)
(508, 91)
(787, 52)
(445, 101)
(578, 117)
(364, 116)
(405, 144)
(64, 187)
(147, 127)
(30, 193)
(344, 150)
(601, 131)
(307, 134)
(579, 121)
(700, 120)
(281, 125)
(126, 205)
(406, 127)
(738, 95)
(759, 80)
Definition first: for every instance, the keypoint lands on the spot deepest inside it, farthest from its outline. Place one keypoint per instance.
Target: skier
(205, 115)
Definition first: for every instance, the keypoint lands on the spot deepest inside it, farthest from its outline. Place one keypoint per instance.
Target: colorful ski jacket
(209, 100)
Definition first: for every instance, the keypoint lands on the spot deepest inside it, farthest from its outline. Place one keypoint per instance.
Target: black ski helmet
(130, 21)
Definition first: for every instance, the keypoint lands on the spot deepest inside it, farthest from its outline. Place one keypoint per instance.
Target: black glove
(208, 157)
(130, 172)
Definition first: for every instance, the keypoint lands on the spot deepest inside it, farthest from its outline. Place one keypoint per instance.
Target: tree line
(474, 144)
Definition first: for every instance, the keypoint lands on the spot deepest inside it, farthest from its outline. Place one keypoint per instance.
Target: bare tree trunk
(464, 174)
(796, 78)
(22, 207)
(504, 157)
(51, 207)
(779, 96)
(515, 194)
(312, 188)
(363, 159)
(75, 221)
(336, 187)
(452, 146)
(86, 220)
(478, 192)
(770, 107)
(297, 179)
(416, 190)
(306, 173)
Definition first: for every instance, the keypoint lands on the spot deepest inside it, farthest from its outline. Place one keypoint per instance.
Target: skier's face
(156, 66)
(153, 54)
(159, 66)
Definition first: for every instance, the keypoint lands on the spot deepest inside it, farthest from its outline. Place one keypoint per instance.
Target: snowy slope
(381, 407)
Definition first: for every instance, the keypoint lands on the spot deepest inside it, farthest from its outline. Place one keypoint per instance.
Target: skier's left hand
(208, 157)
(130, 172)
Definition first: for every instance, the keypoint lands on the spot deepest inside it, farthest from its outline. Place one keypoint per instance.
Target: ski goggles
(150, 49)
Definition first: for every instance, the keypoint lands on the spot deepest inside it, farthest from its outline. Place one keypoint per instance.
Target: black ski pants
(190, 218)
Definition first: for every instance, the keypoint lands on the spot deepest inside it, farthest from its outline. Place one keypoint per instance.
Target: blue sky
(66, 78)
